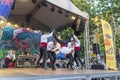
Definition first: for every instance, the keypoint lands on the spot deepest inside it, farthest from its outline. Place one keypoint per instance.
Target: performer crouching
(51, 49)
(10, 58)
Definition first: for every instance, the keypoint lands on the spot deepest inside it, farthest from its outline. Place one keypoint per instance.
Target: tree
(104, 9)
(109, 10)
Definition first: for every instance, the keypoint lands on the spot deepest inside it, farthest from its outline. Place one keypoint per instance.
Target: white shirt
(35, 31)
(70, 46)
(10, 55)
(77, 42)
(66, 50)
(17, 31)
(44, 37)
(51, 47)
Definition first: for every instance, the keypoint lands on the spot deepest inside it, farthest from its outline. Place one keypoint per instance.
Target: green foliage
(107, 8)
(118, 41)
(102, 45)
(104, 9)
(4, 52)
(65, 33)
(82, 5)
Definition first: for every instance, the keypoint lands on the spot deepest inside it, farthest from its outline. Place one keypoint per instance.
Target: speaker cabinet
(96, 49)
(26, 61)
(97, 66)
(78, 28)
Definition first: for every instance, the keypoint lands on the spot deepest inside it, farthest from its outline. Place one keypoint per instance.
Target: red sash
(63, 45)
(77, 48)
(43, 44)
(7, 59)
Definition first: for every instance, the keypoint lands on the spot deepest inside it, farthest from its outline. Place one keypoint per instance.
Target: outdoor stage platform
(59, 74)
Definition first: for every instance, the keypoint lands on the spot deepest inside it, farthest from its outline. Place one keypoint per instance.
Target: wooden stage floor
(41, 73)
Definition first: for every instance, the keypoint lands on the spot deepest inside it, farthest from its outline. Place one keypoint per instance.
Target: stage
(59, 74)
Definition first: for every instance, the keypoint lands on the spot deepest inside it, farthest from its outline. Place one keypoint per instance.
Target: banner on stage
(109, 45)
(5, 7)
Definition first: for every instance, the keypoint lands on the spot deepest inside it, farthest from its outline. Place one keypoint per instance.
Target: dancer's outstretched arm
(60, 41)
(76, 39)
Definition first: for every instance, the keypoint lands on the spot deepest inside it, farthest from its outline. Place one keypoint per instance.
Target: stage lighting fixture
(15, 25)
(34, 1)
(73, 17)
(28, 29)
(66, 14)
(8, 23)
(1, 22)
(52, 8)
(60, 11)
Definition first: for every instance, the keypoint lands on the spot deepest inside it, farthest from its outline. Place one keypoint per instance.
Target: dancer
(71, 46)
(10, 58)
(43, 48)
(51, 49)
(67, 51)
(63, 43)
(77, 52)
(17, 31)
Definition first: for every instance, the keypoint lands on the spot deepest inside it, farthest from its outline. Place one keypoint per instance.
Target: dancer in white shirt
(70, 46)
(10, 58)
(17, 31)
(51, 49)
(43, 48)
(77, 52)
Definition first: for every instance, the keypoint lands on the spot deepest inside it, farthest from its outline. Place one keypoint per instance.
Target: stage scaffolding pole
(87, 45)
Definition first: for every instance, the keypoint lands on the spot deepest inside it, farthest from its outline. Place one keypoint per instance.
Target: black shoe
(53, 69)
(68, 66)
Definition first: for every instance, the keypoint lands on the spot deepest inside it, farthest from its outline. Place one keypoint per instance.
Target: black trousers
(7, 63)
(77, 58)
(52, 57)
(71, 59)
(43, 52)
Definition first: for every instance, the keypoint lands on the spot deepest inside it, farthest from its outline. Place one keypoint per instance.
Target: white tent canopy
(39, 14)
(69, 6)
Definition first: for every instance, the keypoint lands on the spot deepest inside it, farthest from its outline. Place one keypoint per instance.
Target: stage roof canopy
(45, 14)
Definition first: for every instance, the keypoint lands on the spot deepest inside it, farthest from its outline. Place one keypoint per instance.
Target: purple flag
(5, 7)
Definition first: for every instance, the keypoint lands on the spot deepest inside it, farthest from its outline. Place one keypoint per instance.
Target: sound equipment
(97, 66)
(78, 27)
(82, 25)
(26, 61)
(74, 25)
(96, 49)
